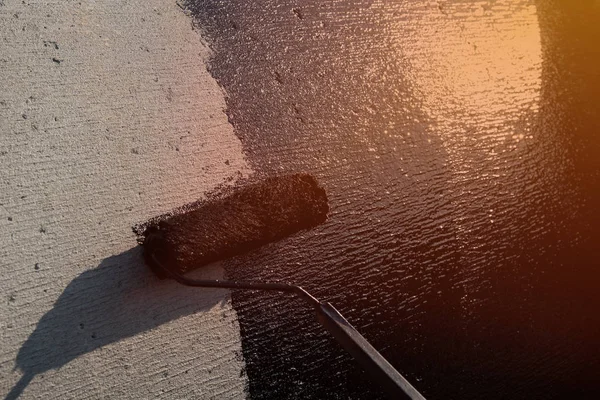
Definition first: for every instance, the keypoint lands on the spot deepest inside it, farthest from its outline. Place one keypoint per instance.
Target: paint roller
(238, 220)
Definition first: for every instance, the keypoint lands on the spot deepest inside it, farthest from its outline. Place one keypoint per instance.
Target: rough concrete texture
(107, 118)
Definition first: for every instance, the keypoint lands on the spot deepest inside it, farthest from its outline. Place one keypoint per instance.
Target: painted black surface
(476, 276)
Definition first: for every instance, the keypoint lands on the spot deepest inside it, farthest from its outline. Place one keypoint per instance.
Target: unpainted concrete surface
(107, 118)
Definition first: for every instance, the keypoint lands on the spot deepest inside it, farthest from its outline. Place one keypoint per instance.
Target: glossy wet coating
(458, 145)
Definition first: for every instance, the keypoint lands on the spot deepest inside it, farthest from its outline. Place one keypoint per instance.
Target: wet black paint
(464, 307)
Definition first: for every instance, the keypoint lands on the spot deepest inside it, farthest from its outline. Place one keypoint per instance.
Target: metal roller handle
(393, 383)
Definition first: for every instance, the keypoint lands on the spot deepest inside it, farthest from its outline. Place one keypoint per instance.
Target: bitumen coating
(457, 144)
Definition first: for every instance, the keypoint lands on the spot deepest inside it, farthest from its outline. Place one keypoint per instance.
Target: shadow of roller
(118, 299)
